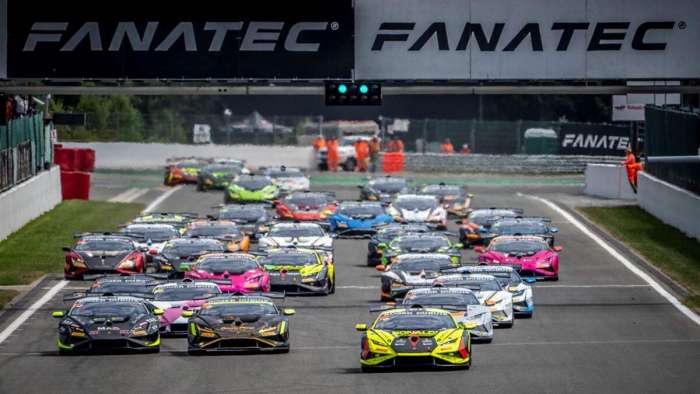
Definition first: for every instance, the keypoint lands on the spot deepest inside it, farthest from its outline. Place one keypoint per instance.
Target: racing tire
(507, 325)
(195, 352)
(200, 185)
(367, 369)
(333, 286)
(152, 351)
(282, 350)
(64, 352)
(350, 165)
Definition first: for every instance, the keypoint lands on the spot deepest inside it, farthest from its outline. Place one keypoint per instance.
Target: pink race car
(530, 256)
(232, 272)
(175, 297)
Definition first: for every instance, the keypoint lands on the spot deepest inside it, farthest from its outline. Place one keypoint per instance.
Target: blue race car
(358, 219)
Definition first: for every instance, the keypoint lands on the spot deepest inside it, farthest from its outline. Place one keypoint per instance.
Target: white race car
(175, 297)
(462, 304)
(288, 179)
(489, 292)
(302, 235)
(151, 236)
(412, 270)
(414, 208)
(520, 288)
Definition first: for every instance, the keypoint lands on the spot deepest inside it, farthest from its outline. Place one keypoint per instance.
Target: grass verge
(35, 249)
(662, 245)
(6, 296)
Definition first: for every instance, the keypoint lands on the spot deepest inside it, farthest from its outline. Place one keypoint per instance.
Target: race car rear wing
(78, 295)
(156, 276)
(98, 233)
(543, 219)
(272, 295)
(185, 214)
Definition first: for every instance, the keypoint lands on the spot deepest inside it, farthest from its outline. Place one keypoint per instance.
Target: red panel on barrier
(75, 185)
(65, 158)
(393, 162)
(86, 160)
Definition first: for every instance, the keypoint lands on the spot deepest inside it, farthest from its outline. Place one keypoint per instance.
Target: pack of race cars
(220, 280)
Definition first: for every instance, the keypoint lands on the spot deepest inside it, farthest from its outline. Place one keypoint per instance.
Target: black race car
(132, 285)
(102, 253)
(534, 226)
(238, 323)
(383, 188)
(252, 218)
(385, 235)
(109, 323)
(185, 250)
(474, 228)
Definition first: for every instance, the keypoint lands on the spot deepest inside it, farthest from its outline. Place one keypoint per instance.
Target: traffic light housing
(353, 93)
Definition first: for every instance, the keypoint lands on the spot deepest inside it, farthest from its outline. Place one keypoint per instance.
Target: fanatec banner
(150, 39)
(593, 140)
(525, 40)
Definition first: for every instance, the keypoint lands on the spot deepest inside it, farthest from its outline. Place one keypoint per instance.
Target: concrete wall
(672, 205)
(516, 164)
(609, 181)
(28, 200)
(140, 155)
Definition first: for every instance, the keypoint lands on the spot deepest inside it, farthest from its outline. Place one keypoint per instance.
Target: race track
(599, 329)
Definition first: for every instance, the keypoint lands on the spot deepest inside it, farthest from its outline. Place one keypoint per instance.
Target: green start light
(364, 89)
(342, 88)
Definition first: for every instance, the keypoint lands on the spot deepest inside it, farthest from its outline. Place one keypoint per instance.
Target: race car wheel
(200, 185)
(507, 325)
(333, 286)
(367, 369)
(195, 352)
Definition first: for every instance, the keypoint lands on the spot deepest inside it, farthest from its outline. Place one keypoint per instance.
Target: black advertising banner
(594, 140)
(150, 39)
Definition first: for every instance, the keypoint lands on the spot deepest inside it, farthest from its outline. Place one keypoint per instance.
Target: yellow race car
(299, 270)
(415, 336)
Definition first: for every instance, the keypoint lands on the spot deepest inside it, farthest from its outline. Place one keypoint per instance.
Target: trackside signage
(523, 40)
(162, 39)
(594, 140)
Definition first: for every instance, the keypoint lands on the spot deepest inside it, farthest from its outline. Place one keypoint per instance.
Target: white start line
(622, 259)
(24, 316)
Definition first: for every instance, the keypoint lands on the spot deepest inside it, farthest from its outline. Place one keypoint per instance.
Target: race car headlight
(341, 224)
(127, 265)
(372, 197)
(253, 282)
(269, 331)
(493, 301)
(204, 332)
(398, 285)
(143, 329)
(263, 229)
(543, 264)
(73, 329)
(78, 263)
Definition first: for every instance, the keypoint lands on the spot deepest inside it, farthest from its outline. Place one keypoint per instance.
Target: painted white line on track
(588, 286)
(155, 203)
(30, 311)
(611, 342)
(357, 287)
(129, 195)
(622, 259)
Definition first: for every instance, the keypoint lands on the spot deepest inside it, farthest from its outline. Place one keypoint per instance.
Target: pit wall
(670, 204)
(28, 200)
(608, 181)
(129, 155)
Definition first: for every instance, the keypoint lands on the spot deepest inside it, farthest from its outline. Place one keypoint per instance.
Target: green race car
(300, 271)
(251, 188)
(218, 176)
(420, 243)
(415, 336)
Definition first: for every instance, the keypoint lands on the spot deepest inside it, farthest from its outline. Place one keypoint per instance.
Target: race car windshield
(109, 309)
(247, 214)
(443, 191)
(295, 259)
(451, 299)
(213, 231)
(186, 293)
(155, 235)
(420, 204)
(519, 228)
(105, 244)
(399, 322)
(307, 200)
(232, 266)
(391, 233)
(253, 183)
(520, 246)
(488, 217)
(238, 309)
(192, 249)
(505, 278)
(296, 232)
(422, 243)
(417, 266)
(392, 186)
(361, 211)
(285, 174)
(491, 285)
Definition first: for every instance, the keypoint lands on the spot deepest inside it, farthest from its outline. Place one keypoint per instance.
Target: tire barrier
(75, 185)
(76, 165)
(393, 162)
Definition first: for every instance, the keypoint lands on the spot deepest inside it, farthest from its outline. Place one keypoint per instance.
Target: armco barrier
(75, 185)
(670, 204)
(609, 181)
(28, 200)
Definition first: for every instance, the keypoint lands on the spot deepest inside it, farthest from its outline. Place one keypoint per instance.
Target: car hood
(517, 260)
(98, 260)
(242, 325)
(309, 242)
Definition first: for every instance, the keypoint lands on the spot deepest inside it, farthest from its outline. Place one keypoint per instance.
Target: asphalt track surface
(598, 329)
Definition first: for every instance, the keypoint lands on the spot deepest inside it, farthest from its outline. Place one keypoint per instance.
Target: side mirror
(380, 267)
(288, 311)
(530, 280)
(557, 248)
(361, 327)
(479, 249)
(553, 229)
(469, 325)
(158, 312)
(66, 249)
(187, 314)
(58, 314)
